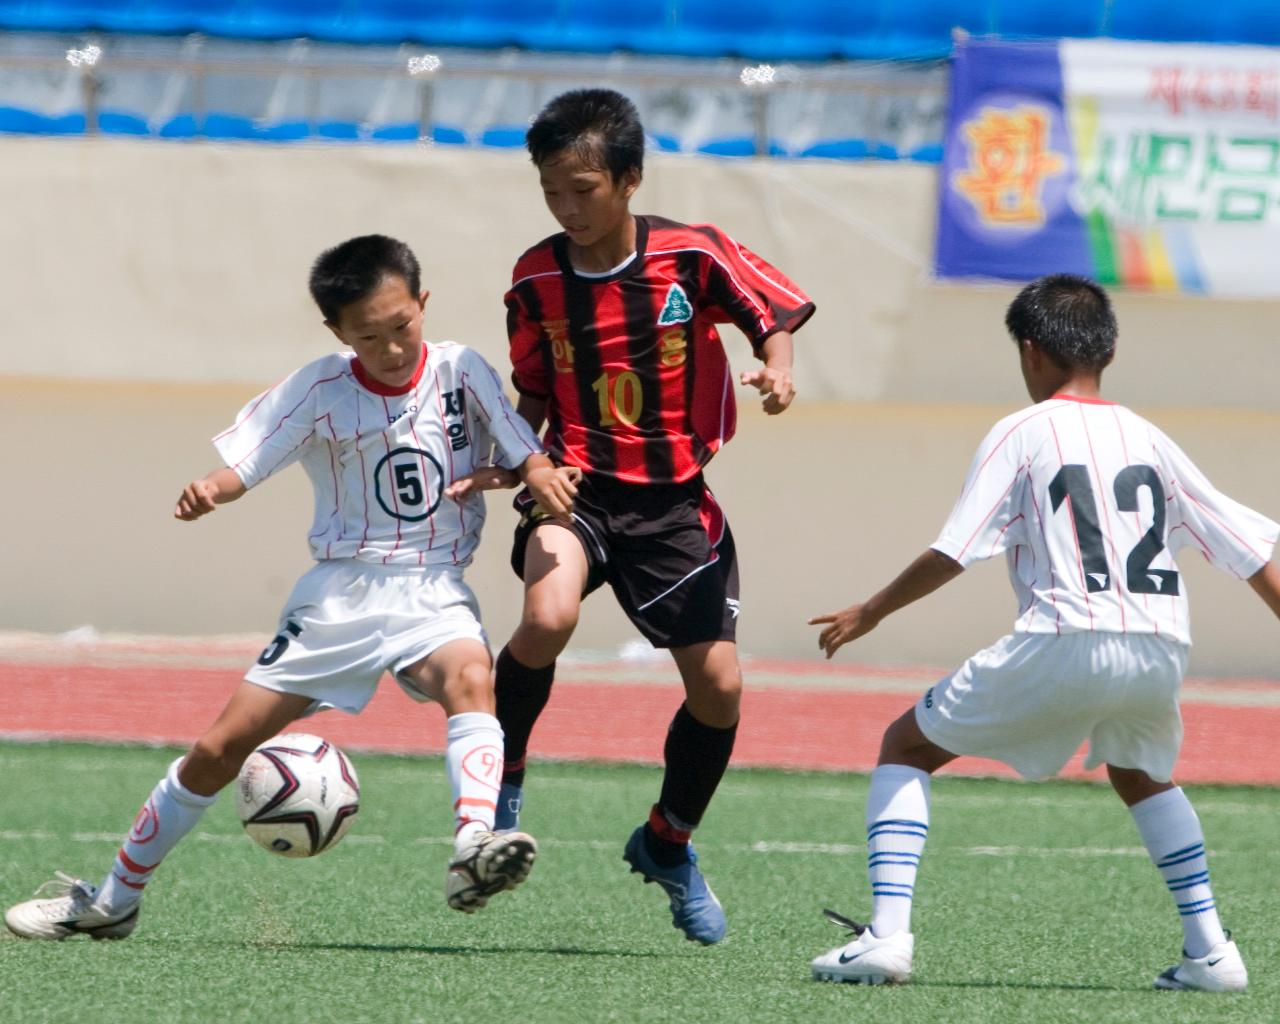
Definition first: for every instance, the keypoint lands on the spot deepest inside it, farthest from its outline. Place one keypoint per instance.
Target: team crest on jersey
(676, 310)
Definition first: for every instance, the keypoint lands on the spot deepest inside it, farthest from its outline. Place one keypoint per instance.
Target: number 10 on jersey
(621, 398)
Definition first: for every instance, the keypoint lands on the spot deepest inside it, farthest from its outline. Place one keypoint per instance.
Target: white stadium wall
(149, 289)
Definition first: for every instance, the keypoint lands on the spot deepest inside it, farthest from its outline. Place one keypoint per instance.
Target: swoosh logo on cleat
(849, 959)
(1214, 963)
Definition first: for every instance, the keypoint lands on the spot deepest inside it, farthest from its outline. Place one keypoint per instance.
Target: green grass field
(1035, 904)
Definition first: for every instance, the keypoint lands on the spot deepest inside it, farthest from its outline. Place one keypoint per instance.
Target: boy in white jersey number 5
(396, 436)
(1089, 503)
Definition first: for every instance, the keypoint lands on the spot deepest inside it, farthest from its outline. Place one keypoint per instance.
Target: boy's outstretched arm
(1266, 583)
(923, 576)
(774, 380)
(204, 495)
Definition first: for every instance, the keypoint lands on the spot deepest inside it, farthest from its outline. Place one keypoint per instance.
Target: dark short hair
(600, 125)
(1068, 317)
(351, 271)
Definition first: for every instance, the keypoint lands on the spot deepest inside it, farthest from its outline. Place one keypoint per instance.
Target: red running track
(826, 729)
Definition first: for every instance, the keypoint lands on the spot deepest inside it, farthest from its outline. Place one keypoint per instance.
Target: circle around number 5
(415, 484)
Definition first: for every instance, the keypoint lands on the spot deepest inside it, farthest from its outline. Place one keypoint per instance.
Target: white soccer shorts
(348, 621)
(1031, 699)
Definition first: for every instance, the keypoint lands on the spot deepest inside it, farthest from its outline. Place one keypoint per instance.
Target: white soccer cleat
(67, 910)
(488, 864)
(1219, 970)
(867, 960)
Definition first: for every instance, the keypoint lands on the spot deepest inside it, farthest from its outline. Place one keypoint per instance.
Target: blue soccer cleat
(694, 907)
(507, 816)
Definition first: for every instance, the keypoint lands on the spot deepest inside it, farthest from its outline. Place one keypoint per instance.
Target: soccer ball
(297, 794)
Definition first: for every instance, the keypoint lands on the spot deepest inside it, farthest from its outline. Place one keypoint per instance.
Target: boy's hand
(853, 622)
(200, 497)
(196, 500)
(554, 488)
(487, 478)
(774, 383)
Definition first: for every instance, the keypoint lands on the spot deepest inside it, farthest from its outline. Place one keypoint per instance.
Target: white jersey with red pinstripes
(379, 459)
(1089, 503)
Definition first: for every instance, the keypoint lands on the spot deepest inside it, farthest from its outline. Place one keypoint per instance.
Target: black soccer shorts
(665, 549)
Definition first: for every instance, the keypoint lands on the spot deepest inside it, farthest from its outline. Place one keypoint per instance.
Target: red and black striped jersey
(635, 377)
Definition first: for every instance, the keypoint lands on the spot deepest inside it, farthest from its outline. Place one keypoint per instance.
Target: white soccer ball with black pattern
(297, 795)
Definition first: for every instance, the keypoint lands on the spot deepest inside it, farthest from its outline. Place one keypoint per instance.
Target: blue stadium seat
(749, 29)
(119, 122)
(1252, 21)
(851, 149)
(448, 135)
(342, 131)
(479, 23)
(922, 28)
(178, 16)
(227, 126)
(737, 146)
(643, 26)
(837, 28)
(402, 131)
(58, 15)
(838, 149)
(1171, 22)
(15, 120)
(285, 131)
(183, 126)
(1051, 18)
(931, 153)
(65, 124)
(288, 19)
(1227, 21)
(506, 136)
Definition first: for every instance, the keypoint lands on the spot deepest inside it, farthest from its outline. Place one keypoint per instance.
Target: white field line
(767, 847)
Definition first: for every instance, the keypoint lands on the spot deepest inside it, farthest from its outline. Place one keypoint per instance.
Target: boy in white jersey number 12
(396, 436)
(1089, 503)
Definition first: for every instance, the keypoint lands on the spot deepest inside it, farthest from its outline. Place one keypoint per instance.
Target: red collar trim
(1080, 398)
(378, 388)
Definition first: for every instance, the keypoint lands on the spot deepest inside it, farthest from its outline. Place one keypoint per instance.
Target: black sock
(521, 693)
(696, 757)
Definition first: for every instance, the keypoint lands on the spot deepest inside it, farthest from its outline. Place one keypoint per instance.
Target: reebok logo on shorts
(733, 605)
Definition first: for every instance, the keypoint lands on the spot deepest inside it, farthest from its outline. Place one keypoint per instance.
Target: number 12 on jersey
(1071, 484)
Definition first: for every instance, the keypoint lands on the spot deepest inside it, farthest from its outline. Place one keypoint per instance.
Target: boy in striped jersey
(1089, 503)
(397, 437)
(615, 348)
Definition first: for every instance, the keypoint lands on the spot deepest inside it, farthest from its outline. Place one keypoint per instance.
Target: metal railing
(764, 102)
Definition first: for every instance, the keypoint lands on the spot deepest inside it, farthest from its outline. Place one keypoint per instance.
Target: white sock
(473, 761)
(897, 825)
(1171, 832)
(170, 813)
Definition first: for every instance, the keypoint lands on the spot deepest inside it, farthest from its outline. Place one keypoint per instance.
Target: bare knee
(470, 688)
(1133, 785)
(904, 743)
(545, 629)
(715, 698)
